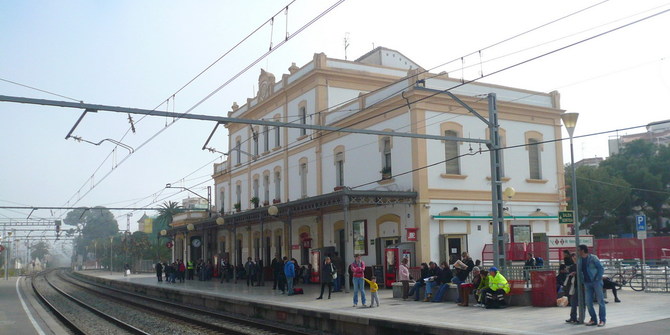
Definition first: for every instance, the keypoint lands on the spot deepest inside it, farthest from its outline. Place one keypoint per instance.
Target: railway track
(128, 313)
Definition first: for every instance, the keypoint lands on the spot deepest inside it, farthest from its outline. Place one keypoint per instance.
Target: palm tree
(168, 210)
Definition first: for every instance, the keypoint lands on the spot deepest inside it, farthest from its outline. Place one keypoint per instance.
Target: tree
(645, 167)
(167, 211)
(92, 223)
(599, 195)
(39, 250)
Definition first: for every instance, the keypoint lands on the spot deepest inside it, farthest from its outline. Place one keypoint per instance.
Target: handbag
(332, 270)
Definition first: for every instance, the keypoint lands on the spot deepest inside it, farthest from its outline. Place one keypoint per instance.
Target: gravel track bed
(85, 320)
(179, 325)
(146, 320)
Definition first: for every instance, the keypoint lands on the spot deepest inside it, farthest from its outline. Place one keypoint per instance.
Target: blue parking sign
(641, 222)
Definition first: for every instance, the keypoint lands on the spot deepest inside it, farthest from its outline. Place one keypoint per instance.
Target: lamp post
(209, 196)
(570, 122)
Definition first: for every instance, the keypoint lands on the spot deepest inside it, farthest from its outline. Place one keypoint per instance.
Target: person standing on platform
(250, 270)
(224, 270)
(339, 265)
(358, 270)
(328, 273)
(277, 269)
(373, 290)
(289, 272)
(592, 271)
(281, 281)
(182, 271)
(159, 272)
(189, 269)
(571, 289)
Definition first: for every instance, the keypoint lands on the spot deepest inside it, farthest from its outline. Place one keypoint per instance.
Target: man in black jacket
(277, 269)
(159, 271)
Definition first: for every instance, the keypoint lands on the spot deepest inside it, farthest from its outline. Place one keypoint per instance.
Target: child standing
(373, 290)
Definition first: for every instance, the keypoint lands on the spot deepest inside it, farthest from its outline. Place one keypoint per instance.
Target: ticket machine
(393, 255)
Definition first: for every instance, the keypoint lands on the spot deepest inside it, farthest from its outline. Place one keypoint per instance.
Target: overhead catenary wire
(40, 90)
(305, 26)
(437, 92)
(98, 181)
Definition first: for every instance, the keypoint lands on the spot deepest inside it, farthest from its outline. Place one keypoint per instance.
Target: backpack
(539, 262)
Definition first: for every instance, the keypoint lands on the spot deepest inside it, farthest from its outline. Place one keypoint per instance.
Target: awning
(489, 218)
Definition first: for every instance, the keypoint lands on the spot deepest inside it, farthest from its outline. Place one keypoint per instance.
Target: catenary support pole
(497, 213)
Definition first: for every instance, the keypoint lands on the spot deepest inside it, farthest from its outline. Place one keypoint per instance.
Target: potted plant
(266, 203)
(238, 206)
(386, 172)
(276, 201)
(255, 201)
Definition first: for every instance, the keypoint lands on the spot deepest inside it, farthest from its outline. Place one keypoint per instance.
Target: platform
(638, 309)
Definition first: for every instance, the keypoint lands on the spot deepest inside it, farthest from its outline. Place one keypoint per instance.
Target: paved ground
(23, 316)
(638, 313)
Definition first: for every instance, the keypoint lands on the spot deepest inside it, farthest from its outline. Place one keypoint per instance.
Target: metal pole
(644, 281)
(6, 251)
(345, 201)
(580, 297)
(497, 213)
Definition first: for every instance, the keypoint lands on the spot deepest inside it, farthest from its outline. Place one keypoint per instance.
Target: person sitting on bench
(498, 287)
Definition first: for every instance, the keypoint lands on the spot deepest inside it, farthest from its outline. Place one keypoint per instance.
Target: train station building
(304, 193)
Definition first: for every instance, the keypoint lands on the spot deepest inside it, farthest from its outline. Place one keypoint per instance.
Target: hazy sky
(139, 53)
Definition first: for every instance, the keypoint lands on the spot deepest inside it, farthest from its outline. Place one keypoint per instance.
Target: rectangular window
(534, 159)
(266, 189)
(278, 185)
(452, 163)
(339, 169)
(238, 194)
(303, 180)
(303, 120)
(266, 139)
(238, 152)
(277, 137)
(222, 201)
(255, 144)
(255, 188)
(386, 155)
(278, 246)
(257, 248)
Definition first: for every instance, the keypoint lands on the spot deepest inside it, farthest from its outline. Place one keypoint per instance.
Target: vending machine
(316, 259)
(393, 255)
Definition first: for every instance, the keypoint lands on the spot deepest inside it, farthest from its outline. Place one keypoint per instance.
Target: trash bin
(543, 293)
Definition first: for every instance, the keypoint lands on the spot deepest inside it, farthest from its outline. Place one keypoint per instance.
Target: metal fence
(145, 265)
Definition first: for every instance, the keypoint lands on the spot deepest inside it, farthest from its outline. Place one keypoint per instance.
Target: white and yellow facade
(450, 204)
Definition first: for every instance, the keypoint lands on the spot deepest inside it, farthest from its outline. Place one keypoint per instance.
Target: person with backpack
(289, 272)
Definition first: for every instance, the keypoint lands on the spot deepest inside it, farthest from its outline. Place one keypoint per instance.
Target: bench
(522, 299)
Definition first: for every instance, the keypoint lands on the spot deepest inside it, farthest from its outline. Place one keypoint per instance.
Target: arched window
(277, 185)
